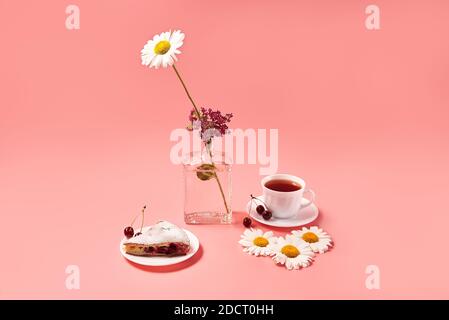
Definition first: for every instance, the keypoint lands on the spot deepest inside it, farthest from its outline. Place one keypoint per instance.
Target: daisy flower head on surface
(292, 252)
(162, 49)
(258, 243)
(316, 238)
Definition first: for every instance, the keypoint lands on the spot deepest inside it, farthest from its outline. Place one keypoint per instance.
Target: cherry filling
(169, 249)
(149, 249)
(161, 249)
(172, 248)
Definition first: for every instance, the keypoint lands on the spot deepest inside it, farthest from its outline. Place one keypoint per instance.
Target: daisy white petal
(292, 252)
(316, 238)
(177, 38)
(256, 242)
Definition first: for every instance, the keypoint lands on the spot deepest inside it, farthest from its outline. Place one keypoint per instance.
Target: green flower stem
(218, 181)
(197, 111)
(198, 114)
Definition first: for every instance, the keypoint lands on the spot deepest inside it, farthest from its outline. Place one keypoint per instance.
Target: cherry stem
(255, 198)
(251, 205)
(134, 220)
(143, 218)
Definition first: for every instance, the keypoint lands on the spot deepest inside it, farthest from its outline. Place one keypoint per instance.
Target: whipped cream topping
(161, 232)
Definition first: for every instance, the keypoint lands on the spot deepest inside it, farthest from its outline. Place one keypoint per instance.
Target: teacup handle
(311, 200)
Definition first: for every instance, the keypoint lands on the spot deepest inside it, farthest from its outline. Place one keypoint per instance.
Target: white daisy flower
(292, 252)
(162, 49)
(257, 243)
(316, 238)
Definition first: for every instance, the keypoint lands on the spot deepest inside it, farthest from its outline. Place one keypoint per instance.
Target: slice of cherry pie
(162, 239)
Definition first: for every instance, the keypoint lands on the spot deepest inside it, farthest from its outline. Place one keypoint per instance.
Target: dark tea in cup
(283, 185)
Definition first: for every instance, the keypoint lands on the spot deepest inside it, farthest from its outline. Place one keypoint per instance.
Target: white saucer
(162, 261)
(304, 216)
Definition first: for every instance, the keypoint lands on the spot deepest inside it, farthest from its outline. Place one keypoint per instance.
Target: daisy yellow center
(162, 47)
(310, 237)
(290, 251)
(260, 242)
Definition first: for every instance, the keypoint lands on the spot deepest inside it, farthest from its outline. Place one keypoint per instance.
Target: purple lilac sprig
(210, 123)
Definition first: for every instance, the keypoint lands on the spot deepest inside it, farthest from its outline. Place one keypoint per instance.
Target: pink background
(84, 142)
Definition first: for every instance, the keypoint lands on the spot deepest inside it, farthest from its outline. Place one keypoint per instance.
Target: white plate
(304, 216)
(159, 260)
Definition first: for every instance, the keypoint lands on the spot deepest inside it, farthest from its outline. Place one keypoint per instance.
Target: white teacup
(286, 204)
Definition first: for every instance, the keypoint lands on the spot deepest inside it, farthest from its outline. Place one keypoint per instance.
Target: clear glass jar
(207, 188)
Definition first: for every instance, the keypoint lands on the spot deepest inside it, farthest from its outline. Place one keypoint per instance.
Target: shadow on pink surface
(238, 217)
(170, 268)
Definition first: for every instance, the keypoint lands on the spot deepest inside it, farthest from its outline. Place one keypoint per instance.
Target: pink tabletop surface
(84, 143)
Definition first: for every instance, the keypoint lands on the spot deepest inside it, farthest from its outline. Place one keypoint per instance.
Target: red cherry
(129, 232)
(260, 209)
(267, 215)
(247, 222)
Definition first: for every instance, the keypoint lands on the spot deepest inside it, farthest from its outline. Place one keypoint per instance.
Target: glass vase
(207, 188)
